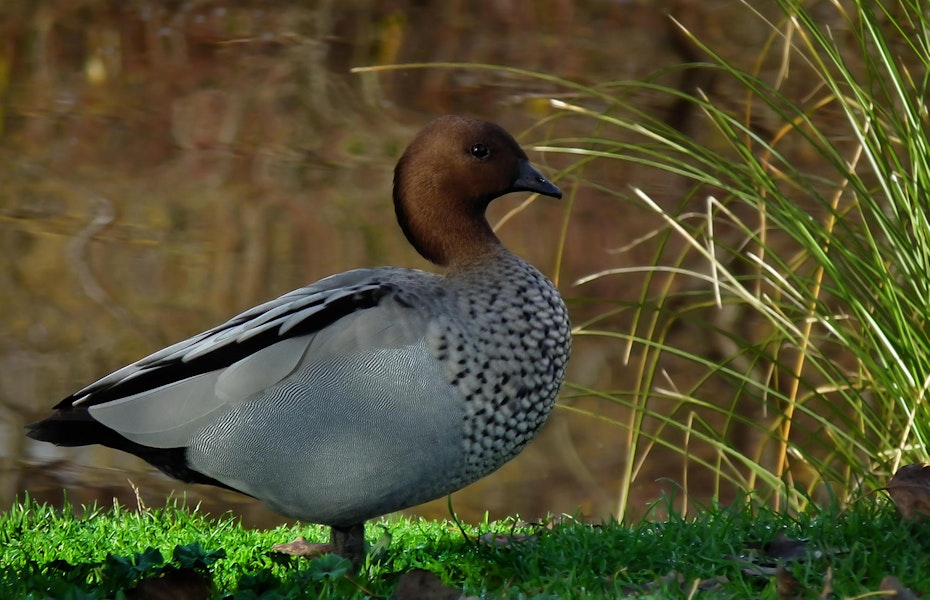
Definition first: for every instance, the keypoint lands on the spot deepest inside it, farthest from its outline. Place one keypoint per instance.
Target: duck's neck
(452, 239)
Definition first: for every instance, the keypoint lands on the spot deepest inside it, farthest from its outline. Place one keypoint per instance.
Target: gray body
(439, 384)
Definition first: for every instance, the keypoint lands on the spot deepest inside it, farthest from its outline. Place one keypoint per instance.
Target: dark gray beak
(531, 180)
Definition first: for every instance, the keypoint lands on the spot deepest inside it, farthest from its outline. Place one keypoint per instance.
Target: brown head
(447, 177)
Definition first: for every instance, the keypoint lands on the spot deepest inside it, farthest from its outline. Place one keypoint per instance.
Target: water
(162, 168)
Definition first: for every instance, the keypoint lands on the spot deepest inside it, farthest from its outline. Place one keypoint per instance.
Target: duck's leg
(349, 542)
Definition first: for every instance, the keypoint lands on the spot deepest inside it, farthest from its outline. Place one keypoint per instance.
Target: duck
(369, 391)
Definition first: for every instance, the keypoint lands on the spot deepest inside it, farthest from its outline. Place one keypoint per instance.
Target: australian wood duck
(368, 391)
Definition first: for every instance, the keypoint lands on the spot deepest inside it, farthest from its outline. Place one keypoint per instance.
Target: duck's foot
(301, 547)
(349, 542)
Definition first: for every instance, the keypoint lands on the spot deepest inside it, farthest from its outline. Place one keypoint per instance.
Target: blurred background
(165, 165)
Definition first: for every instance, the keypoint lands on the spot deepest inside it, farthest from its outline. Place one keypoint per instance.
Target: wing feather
(301, 312)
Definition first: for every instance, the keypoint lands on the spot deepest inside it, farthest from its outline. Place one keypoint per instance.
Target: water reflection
(164, 166)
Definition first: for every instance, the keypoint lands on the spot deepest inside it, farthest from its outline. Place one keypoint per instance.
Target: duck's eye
(480, 151)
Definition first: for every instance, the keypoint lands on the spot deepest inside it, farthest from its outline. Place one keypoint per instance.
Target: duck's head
(445, 180)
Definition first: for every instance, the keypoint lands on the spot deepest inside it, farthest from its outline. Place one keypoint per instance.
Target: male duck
(368, 391)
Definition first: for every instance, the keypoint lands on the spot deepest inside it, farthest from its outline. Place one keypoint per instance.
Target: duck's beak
(531, 180)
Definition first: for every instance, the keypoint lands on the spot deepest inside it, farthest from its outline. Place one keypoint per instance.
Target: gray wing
(171, 414)
(302, 311)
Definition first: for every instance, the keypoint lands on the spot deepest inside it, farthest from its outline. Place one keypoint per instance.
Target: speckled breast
(504, 346)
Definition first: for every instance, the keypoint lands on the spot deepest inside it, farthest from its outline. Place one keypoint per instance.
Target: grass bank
(177, 552)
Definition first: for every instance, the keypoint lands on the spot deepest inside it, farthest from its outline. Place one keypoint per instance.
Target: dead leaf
(301, 547)
(180, 584)
(910, 491)
(893, 588)
(787, 586)
(420, 584)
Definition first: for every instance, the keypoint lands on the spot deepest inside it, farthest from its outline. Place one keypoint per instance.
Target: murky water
(166, 165)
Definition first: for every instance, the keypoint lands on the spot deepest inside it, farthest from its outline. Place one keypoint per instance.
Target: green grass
(47, 552)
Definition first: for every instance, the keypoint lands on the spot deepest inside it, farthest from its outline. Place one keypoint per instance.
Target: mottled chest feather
(503, 345)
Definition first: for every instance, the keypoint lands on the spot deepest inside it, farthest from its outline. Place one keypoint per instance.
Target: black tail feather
(75, 427)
